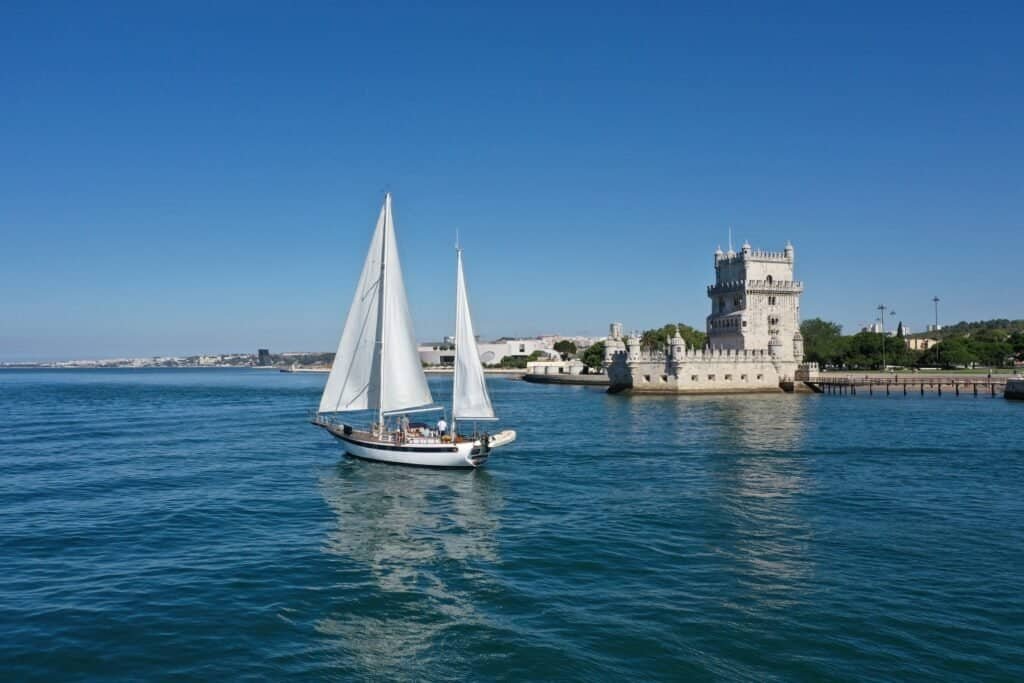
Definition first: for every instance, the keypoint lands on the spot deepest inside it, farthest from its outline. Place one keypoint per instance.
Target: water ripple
(192, 524)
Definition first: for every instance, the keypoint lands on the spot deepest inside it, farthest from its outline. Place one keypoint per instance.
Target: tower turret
(788, 251)
(633, 346)
(798, 346)
(677, 345)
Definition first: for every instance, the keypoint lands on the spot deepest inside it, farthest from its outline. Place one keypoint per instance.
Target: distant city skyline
(204, 179)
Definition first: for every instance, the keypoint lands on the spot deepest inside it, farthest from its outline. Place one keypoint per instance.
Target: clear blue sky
(203, 177)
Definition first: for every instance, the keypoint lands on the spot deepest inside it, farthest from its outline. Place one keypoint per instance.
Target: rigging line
(383, 296)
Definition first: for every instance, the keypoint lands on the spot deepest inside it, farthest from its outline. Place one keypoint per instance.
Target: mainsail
(377, 365)
(470, 400)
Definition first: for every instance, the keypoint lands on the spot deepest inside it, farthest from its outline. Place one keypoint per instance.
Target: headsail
(377, 365)
(470, 400)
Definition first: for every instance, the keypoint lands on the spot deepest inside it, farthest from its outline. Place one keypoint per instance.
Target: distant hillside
(966, 329)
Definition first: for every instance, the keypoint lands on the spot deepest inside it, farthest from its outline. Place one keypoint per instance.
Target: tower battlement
(790, 286)
(748, 253)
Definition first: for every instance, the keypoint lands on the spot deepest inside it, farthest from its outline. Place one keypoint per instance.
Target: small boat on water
(377, 367)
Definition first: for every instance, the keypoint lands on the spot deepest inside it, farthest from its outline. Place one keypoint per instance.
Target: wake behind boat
(377, 367)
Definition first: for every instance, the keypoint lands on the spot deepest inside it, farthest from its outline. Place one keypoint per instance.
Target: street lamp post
(881, 319)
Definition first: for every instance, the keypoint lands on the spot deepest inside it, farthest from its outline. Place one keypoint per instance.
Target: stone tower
(755, 303)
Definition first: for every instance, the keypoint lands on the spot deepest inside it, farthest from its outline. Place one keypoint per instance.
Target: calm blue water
(192, 524)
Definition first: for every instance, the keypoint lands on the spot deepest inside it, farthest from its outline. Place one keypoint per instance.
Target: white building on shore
(491, 353)
(754, 341)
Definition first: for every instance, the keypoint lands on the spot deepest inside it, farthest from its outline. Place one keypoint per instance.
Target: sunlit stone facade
(754, 341)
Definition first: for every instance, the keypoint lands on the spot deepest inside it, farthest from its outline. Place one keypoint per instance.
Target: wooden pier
(898, 385)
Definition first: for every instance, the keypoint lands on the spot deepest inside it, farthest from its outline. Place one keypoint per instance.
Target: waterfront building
(437, 353)
(494, 352)
(263, 357)
(754, 340)
(491, 353)
(919, 343)
(549, 366)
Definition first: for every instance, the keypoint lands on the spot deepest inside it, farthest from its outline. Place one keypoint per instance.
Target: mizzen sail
(470, 400)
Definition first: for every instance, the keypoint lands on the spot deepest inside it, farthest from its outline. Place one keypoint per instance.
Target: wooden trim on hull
(405, 449)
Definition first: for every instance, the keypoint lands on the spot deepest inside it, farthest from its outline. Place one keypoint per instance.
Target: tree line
(991, 343)
(655, 339)
(994, 343)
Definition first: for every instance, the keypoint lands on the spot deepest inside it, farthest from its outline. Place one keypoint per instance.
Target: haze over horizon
(202, 179)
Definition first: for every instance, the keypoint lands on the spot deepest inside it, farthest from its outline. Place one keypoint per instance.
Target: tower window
(771, 301)
(769, 279)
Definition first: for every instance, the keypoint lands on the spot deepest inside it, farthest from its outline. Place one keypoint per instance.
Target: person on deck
(442, 427)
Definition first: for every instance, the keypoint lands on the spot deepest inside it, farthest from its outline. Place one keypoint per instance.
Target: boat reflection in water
(417, 543)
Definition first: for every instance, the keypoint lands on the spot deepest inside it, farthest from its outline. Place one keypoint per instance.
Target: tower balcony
(757, 286)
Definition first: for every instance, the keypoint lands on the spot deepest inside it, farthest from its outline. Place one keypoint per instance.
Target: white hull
(462, 454)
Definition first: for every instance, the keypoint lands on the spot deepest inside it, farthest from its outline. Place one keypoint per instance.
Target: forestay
(377, 364)
(470, 400)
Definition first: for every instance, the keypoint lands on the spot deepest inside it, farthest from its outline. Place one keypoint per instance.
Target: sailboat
(377, 367)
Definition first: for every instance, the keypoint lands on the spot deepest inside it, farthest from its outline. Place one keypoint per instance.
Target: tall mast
(380, 315)
(458, 316)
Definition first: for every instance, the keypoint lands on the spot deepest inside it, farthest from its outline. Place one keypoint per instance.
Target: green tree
(695, 339)
(823, 342)
(863, 351)
(519, 361)
(1016, 342)
(565, 347)
(954, 352)
(593, 355)
(993, 353)
(657, 339)
(957, 352)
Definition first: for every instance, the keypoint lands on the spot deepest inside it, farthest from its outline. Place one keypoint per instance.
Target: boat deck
(413, 437)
